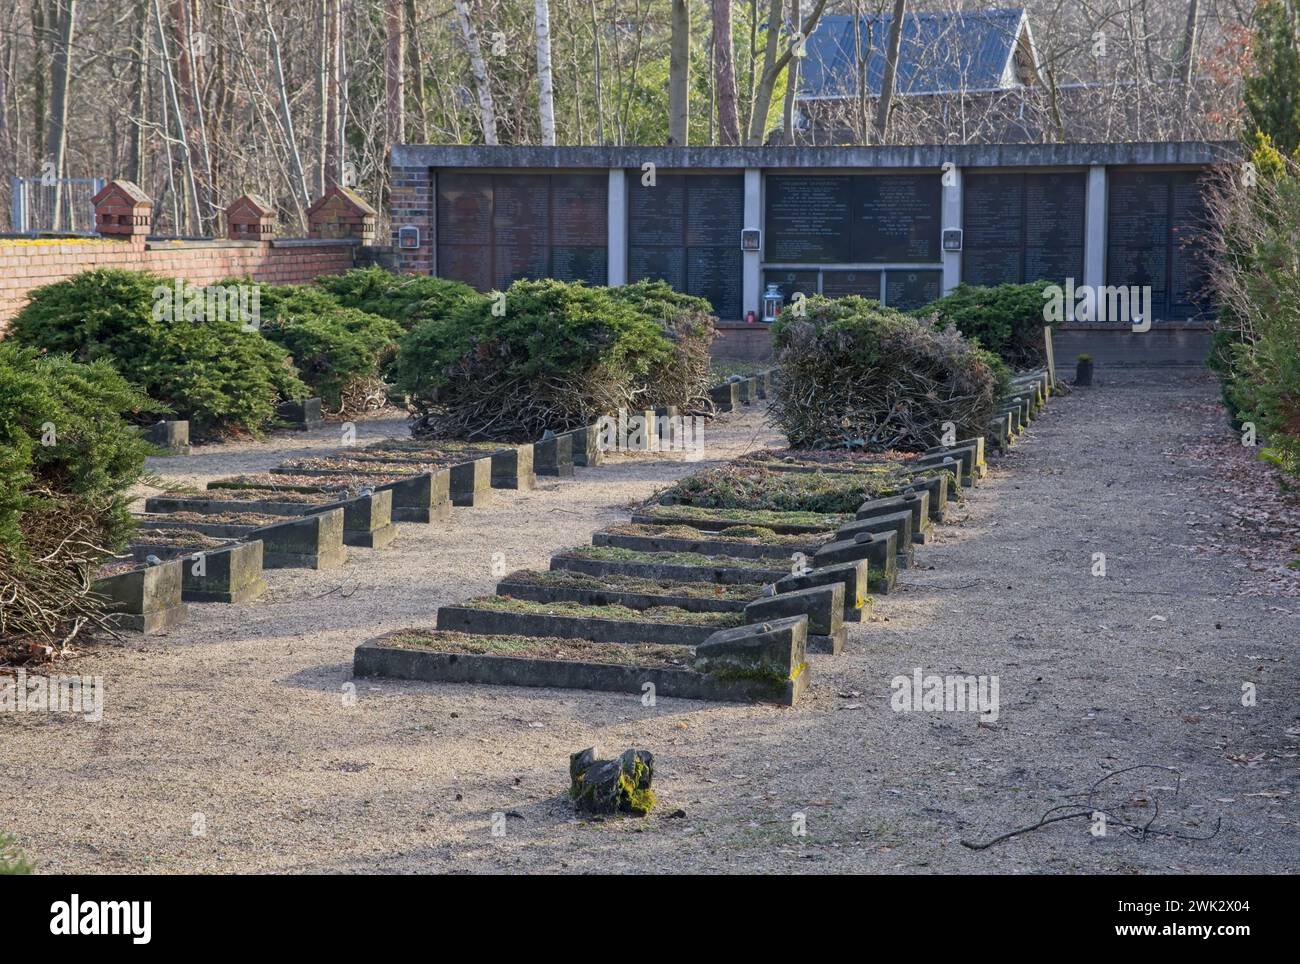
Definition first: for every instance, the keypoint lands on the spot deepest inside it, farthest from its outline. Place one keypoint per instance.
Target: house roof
(940, 51)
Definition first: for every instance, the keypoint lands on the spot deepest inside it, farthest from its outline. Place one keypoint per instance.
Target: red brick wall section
(737, 341)
(25, 265)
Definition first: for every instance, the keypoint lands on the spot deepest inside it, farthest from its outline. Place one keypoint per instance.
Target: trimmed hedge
(67, 459)
(405, 299)
(683, 378)
(215, 373)
(341, 352)
(855, 374)
(1007, 320)
(552, 356)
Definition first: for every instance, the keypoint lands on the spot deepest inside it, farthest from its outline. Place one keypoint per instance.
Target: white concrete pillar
(617, 219)
(951, 217)
(751, 288)
(1094, 228)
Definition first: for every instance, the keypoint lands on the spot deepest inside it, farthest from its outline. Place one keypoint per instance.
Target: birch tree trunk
(891, 70)
(545, 85)
(792, 80)
(679, 75)
(57, 139)
(598, 80)
(139, 94)
(486, 111)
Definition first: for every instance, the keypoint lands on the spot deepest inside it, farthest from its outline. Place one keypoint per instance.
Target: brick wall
(738, 341)
(25, 265)
(411, 203)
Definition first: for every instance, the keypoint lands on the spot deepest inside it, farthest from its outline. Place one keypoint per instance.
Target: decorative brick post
(341, 213)
(249, 218)
(122, 210)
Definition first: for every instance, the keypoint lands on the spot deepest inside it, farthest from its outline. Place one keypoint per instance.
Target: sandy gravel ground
(239, 716)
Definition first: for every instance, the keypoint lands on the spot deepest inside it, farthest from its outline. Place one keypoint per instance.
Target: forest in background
(198, 101)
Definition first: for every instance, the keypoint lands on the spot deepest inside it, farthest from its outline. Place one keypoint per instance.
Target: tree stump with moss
(614, 786)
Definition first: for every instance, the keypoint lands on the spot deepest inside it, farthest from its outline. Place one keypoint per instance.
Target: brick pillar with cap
(124, 211)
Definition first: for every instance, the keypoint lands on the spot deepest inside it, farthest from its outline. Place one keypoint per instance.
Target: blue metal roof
(939, 52)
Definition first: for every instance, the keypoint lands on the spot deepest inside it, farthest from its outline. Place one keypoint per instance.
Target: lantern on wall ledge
(772, 301)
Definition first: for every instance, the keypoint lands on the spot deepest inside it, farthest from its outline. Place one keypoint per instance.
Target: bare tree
(891, 69)
(545, 86)
(774, 63)
(57, 138)
(724, 73)
(679, 75)
(394, 72)
(486, 108)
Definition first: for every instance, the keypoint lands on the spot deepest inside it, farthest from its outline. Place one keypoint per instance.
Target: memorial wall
(496, 228)
(1021, 227)
(813, 222)
(1152, 220)
(1097, 214)
(685, 229)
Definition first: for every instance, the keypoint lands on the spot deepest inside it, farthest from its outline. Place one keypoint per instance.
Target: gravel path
(239, 716)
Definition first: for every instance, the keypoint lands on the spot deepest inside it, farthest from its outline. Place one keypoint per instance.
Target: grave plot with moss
(614, 554)
(360, 465)
(341, 485)
(753, 535)
(827, 457)
(541, 647)
(431, 450)
(615, 582)
(715, 519)
(744, 487)
(773, 669)
(654, 614)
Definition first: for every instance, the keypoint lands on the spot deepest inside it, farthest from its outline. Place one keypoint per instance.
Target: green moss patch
(564, 578)
(613, 554)
(543, 647)
(760, 517)
(655, 614)
(754, 487)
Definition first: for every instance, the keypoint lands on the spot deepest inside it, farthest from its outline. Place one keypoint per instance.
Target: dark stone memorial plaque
(896, 217)
(521, 210)
(580, 210)
(714, 273)
(715, 210)
(1023, 227)
(515, 261)
(907, 290)
(663, 264)
(497, 228)
(656, 214)
(791, 281)
(464, 208)
(991, 266)
(837, 284)
(1138, 235)
(1054, 212)
(575, 263)
(1188, 296)
(808, 219)
(470, 263)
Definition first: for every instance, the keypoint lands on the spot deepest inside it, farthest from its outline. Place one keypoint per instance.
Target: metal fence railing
(35, 200)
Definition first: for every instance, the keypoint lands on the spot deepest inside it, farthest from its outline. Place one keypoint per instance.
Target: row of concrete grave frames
(214, 546)
(676, 601)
